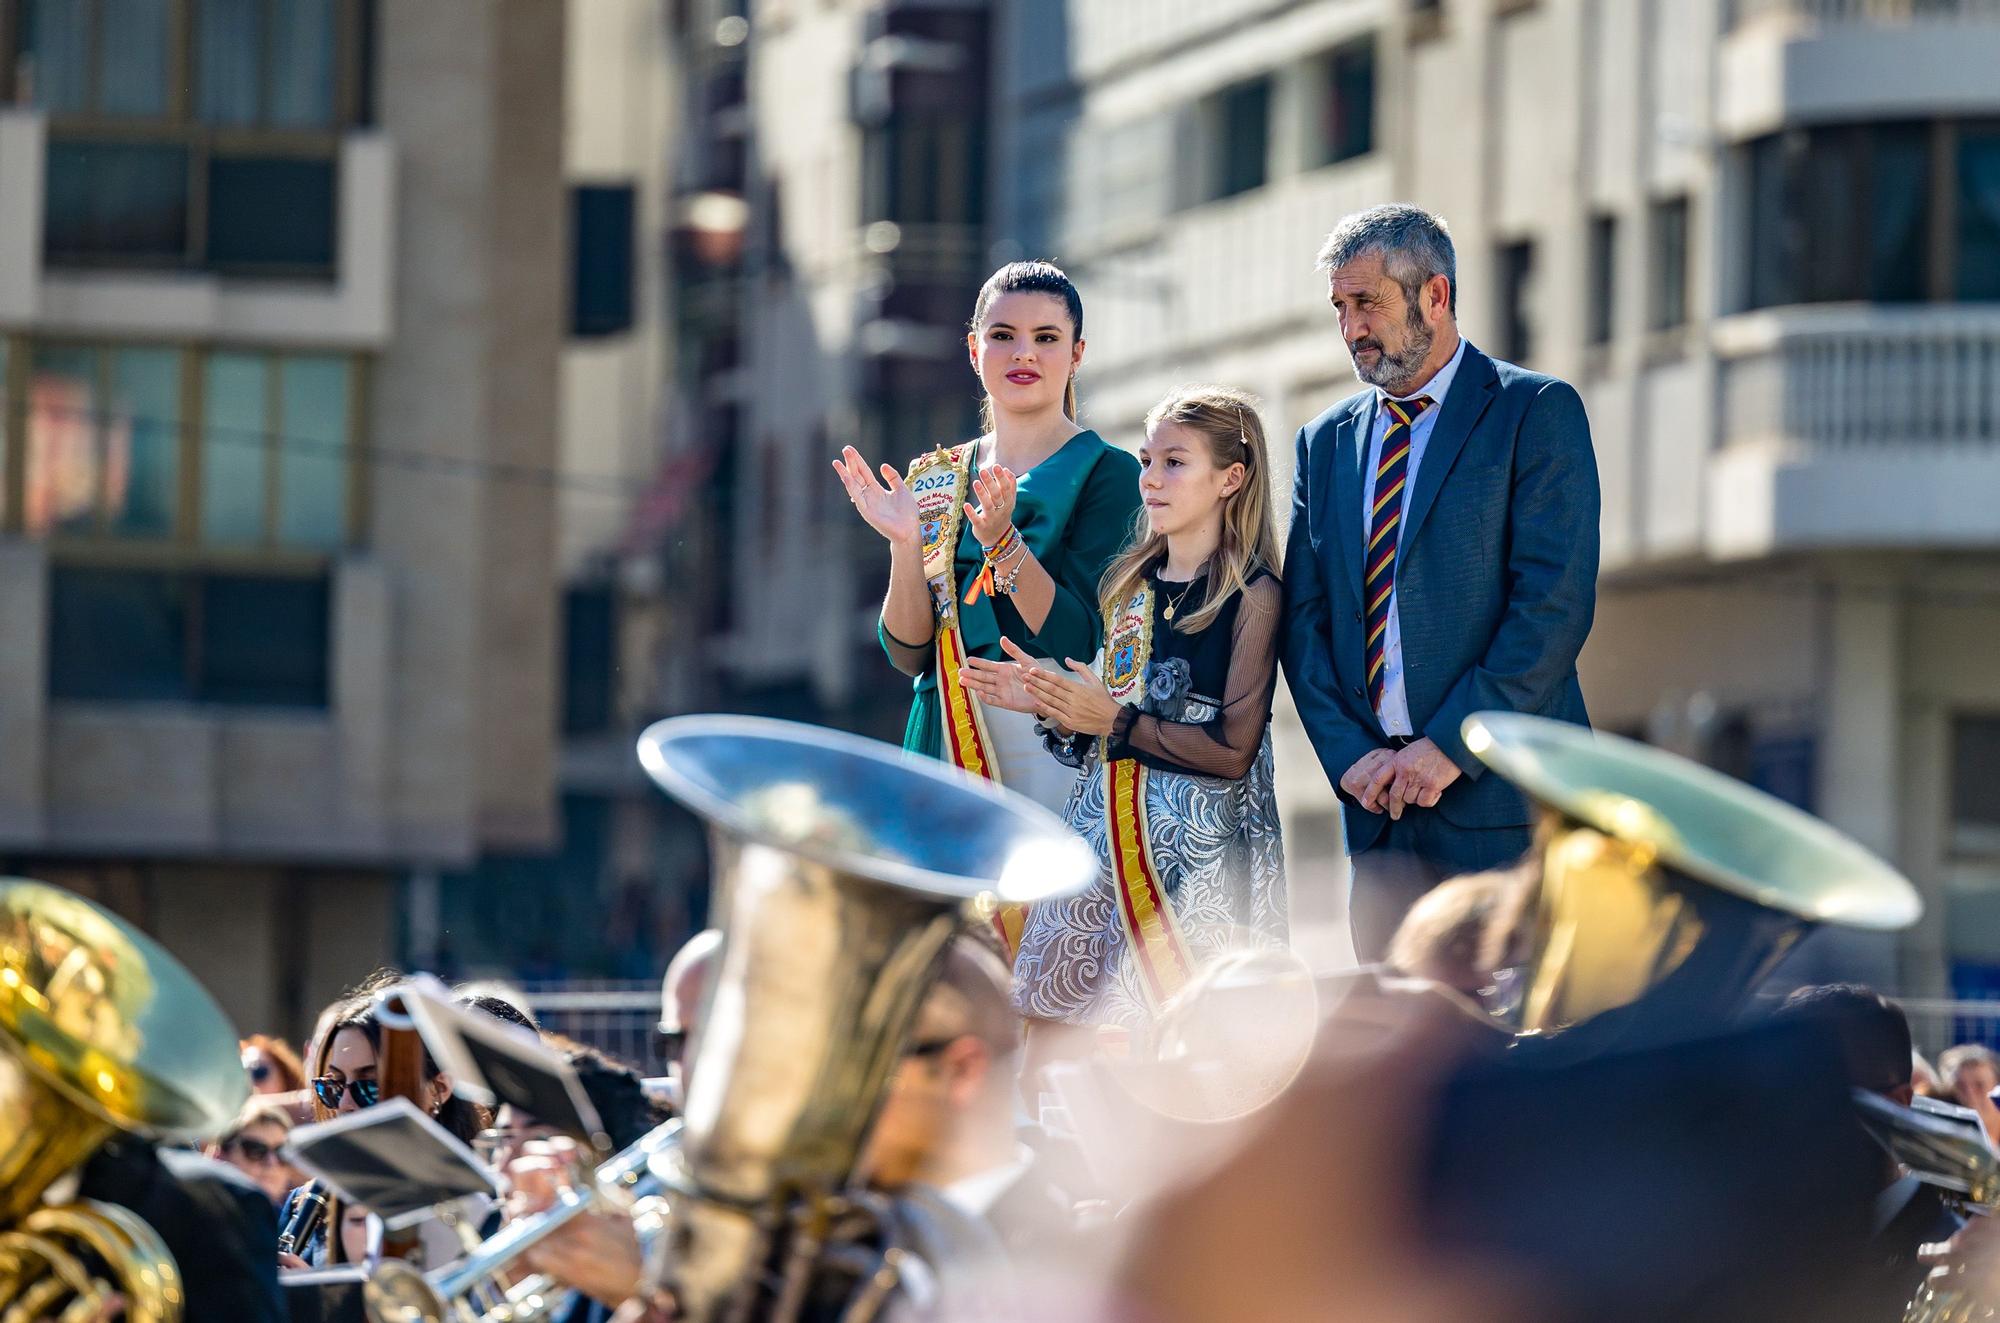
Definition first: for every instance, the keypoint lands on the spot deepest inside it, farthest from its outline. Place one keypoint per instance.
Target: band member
(1004, 537)
(686, 982)
(943, 1148)
(346, 1077)
(947, 1125)
(1442, 561)
(1171, 731)
(218, 1226)
(254, 1143)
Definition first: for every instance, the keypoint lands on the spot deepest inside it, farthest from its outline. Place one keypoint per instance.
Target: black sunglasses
(328, 1090)
(255, 1151)
(668, 1044)
(932, 1048)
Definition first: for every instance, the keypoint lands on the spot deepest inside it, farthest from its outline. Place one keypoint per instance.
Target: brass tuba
(843, 869)
(100, 1031)
(1664, 881)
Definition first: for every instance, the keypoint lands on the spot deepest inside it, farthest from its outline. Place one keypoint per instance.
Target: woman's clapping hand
(886, 503)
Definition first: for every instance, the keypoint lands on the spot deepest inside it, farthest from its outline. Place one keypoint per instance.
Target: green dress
(1076, 510)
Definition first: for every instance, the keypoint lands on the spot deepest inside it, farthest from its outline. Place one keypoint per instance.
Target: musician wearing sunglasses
(346, 1078)
(252, 1145)
(944, 1148)
(681, 991)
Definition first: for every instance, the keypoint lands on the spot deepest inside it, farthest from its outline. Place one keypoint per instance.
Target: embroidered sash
(939, 481)
(1151, 933)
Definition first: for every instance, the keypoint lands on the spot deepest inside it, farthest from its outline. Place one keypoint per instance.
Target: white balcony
(1817, 61)
(1853, 426)
(353, 311)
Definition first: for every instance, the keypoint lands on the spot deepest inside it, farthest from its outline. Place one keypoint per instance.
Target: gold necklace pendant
(1167, 612)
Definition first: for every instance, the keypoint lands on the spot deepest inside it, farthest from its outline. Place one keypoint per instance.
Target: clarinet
(305, 1220)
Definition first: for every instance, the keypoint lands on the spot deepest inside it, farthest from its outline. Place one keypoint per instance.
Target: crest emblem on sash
(931, 531)
(1128, 644)
(1124, 661)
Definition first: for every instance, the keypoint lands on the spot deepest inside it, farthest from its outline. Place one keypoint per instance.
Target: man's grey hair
(1414, 245)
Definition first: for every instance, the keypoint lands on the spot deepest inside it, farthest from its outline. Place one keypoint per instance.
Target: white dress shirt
(1395, 699)
(976, 1194)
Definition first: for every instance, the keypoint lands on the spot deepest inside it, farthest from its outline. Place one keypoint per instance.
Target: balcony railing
(1858, 378)
(1867, 11)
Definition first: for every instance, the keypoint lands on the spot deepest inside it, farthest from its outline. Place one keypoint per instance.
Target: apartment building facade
(282, 294)
(1760, 242)
(831, 231)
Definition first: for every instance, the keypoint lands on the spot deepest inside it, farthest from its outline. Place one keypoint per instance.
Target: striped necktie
(1392, 475)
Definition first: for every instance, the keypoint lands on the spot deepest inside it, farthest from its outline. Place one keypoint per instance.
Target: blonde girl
(1170, 731)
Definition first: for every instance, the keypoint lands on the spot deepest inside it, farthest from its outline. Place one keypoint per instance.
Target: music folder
(493, 1062)
(391, 1159)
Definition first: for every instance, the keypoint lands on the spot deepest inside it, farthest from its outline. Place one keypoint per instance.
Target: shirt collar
(976, 1194)
(1437, 386)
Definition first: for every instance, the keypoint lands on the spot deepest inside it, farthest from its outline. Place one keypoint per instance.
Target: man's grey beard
(1397, 373)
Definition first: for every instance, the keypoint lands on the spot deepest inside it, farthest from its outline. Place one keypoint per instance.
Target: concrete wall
(1773, 75)
(472, 93)
(797, 390)
(619, 123)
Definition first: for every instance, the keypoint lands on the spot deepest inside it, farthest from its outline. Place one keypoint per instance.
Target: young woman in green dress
(1005, 536)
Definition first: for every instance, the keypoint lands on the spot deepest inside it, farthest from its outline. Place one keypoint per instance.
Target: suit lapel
(1471, 391)
(1350, 452)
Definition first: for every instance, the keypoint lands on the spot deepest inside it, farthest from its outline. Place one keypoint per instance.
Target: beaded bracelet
(1006, 581)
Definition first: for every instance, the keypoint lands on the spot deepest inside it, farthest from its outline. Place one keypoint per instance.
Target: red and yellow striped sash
(1152, 935)
(1145, 910)
(939, 481)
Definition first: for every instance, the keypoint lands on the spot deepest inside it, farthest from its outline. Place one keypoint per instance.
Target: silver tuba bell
(843, 868)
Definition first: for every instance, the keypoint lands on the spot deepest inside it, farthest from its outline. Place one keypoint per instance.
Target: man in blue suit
(1442, 561)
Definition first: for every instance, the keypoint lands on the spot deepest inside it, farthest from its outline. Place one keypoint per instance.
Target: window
(192, 134)
(926, 169)
(272, 214)
(590, 659)
(116, 200)
(1515, 263)
(602, 242)
(1603, 280)
(275, 447)
(1239, 139)
(92, 57)
(1844, 212)
(103, 441)
(265, 63)
(1667, 307)
(1975, 783)
(220, 448)
(125, 635)
(1347, 129)
(1978, 206)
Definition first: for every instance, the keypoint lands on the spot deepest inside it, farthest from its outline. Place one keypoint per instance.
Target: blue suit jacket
(1496, 578)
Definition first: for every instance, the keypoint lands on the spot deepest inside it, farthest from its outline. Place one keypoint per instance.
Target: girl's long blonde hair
(1227, 419)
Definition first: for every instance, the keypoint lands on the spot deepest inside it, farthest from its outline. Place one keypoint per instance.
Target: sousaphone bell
(1666, 882)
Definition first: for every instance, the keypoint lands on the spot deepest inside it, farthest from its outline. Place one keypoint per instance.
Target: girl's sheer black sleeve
(1226, 744)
